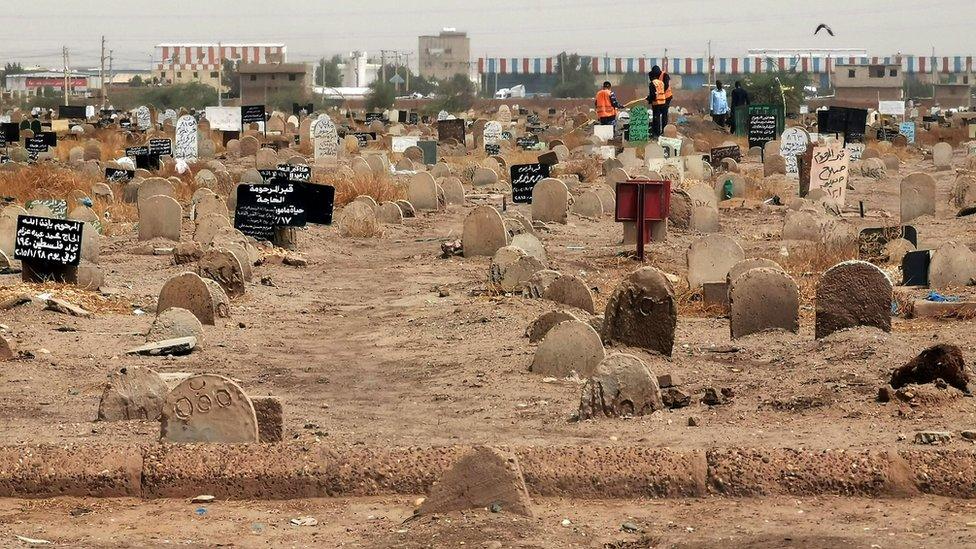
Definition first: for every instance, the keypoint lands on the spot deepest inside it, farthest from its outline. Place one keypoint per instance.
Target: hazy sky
(35, 30)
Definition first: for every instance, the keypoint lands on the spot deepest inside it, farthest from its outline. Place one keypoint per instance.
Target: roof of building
(47, 74)
(224, 44)
(271, 68)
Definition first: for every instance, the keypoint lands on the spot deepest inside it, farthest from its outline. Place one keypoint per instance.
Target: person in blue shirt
(719, 105)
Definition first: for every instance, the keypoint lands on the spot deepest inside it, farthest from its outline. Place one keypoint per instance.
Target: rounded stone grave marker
(208, 408)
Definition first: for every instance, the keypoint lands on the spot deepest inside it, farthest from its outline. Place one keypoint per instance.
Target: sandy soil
(386, 522)
(361, 348)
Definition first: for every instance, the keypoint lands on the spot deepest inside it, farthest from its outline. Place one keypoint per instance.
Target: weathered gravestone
(917, 196)
(132, 392)
(571, 346)
(642, 312)
(160, 216)
(942, 156)
(189, 291)
(953, 265)
(763, 299)
(570, 290)
(422, 192)
(484, 232)
(622, 386)
(710, 258)
(208, 408)
(483, 477)
(853, 293)
(550, 201)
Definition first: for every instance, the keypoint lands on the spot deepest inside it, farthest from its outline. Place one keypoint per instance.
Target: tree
(575, 77)
(136, 82)
(230, 79)
(381, 95)
(327, 72)
(10, 68)
(770, 88)
(455, 95)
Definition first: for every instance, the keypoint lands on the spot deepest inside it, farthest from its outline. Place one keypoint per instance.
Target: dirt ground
(361, 348)
(825, 523)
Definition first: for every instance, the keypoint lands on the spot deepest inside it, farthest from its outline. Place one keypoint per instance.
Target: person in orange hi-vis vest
(657, 99)
(607, 105)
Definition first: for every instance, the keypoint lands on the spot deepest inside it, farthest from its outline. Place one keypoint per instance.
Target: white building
(358, 71)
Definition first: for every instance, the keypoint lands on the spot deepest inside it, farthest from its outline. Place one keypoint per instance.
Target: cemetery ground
(376, 345)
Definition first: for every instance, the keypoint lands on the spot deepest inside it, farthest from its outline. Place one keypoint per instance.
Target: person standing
(657, 99)
(668, 95)
(719, 105)
(740, 98)
(607, 105)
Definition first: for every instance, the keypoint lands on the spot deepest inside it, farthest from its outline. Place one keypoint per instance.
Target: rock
(173, 323)
(622, 386)
(208, 408)
(177, 346)
(481, 478)
(642, 312)
(673, 397)
(941, 361)
(570, 346)
(694, 421)
(132, 392)
(6, 350)
(853, 293)
(713, 397)
(65, 307)
(933, 437)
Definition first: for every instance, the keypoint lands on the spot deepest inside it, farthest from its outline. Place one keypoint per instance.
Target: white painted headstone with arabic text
(185, 145)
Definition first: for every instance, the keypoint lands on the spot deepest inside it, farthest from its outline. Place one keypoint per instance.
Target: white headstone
(326, 138)
(185, 145)
(143, 118)
(793, 142)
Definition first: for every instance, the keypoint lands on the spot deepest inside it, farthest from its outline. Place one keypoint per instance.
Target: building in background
(33, 83)
(444, 55)
(358, 71)
(183, 63)
(260, 81)
(865, 85)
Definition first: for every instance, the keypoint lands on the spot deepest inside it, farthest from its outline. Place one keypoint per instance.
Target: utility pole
(101, 72)
(710, 64)
(406, 66)
(562, 68)
(64, 55)
(383, 66)
(220, 75)
(606, 65)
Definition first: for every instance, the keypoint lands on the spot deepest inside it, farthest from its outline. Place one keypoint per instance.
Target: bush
(455, 95)
(380, 96)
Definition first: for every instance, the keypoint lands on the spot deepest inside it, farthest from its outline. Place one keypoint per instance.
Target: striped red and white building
(181, 63)
(911, 64)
